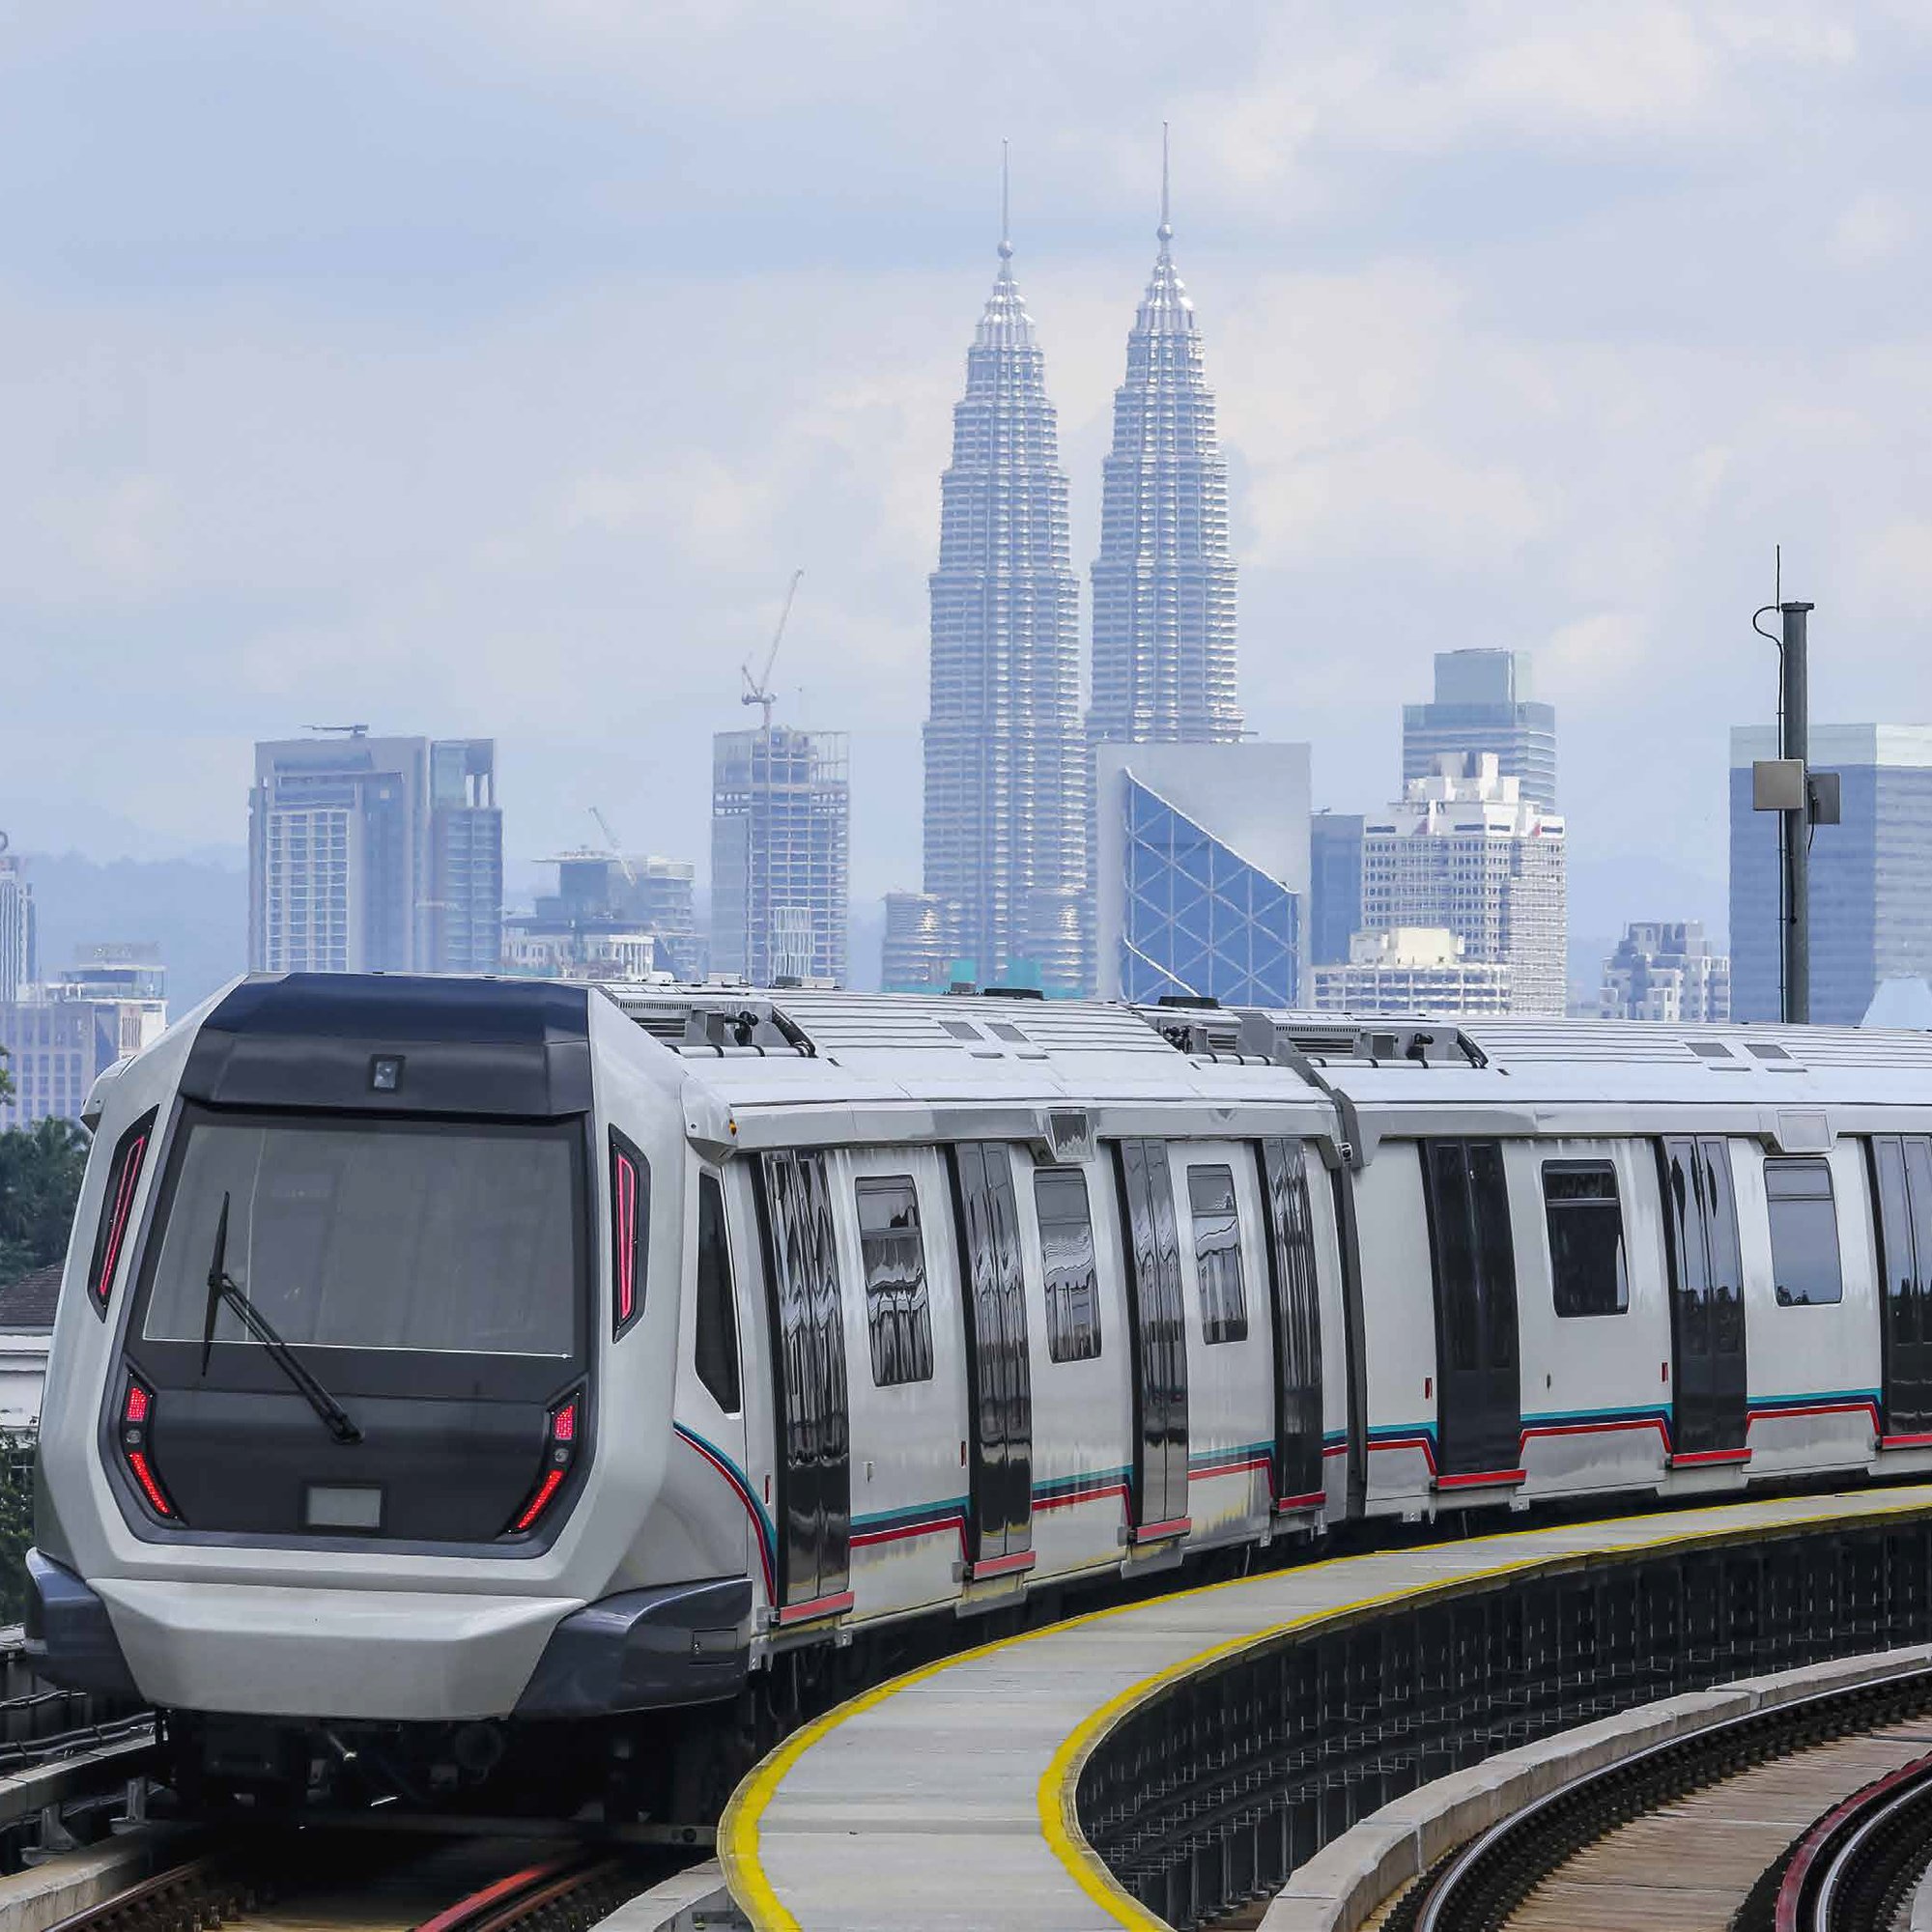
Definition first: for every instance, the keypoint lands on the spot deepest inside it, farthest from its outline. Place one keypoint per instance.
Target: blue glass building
(1203, 872)
(1872, 874)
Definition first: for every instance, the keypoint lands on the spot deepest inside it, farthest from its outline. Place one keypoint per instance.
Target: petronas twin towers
(1007, 756)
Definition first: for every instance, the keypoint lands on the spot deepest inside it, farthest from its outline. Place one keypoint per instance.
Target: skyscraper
(780, 832)
(1482, 704)
(1666, 969)
(1464, 851)
(375, 855)
(1164, 580)
(1005, 758)
(18, 966)
(1334, 886)
(1870, 874)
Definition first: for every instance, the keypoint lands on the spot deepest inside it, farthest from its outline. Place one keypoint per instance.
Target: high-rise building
(1870, 874)
(1005, 754)
(1203, 872)
(781, 830)
(1411, 970)
(1334, 886)
(466, 833)
(1484, 703)
(922, 949)
(1464, 850)
(1666, 969)
(374, 855)
(57, 1042)
(19, 967)
(1164, 580)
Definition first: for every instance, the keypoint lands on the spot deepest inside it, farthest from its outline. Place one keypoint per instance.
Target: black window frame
(1789, 1167)
(715, 1351)
(360, 1371)
(1219, 1324)
(893, 1313)
(1576, 1211)
(1071, 1337)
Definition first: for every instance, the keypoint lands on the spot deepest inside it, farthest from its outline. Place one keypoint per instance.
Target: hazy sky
(487, 368)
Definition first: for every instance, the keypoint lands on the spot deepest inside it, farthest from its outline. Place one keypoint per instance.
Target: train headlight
(560, 1441)
(138, 1415)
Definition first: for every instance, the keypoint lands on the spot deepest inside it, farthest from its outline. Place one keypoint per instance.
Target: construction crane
(616, 850)
(759, 690)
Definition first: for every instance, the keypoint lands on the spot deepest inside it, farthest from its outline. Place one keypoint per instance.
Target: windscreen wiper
(223, 1286)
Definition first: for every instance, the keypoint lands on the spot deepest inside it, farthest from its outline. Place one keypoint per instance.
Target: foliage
(5, 1078)
(16, 1521)
(41, 1169)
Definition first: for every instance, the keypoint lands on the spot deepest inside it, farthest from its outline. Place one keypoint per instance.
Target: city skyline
(1477, 381)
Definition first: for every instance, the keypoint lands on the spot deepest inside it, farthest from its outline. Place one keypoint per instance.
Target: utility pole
(1794, 690)
(1802, 798)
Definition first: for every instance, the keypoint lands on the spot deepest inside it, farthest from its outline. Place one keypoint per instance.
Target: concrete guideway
(945, 1799)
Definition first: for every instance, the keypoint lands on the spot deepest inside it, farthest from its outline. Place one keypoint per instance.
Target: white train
(450, 1365)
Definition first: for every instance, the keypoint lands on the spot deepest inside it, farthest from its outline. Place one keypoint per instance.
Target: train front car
(360, 1397)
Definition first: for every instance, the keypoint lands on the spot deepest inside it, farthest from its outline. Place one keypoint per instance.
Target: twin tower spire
(1009, 757)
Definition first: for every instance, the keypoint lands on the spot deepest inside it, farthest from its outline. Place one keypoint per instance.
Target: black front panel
(430, 1278)
(1151, 1237)
(1479, 1418)
(999, 1376)
(814, 1500)
(1296, 1304)
(1902, 1182)
(396, 1043)
(1707, 1303)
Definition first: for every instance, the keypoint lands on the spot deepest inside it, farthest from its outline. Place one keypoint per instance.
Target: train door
(1159, 1338)
(999, 1377)
(1707, 1301)
(1298, 1322)
(815, 1474)
(1478, 1404)
(1902, 1176)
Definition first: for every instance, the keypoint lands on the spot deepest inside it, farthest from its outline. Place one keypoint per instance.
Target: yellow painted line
(738, 1832)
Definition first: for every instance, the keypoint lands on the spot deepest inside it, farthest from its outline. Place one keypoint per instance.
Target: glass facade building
(1203, 872)
(1483, 702)
(1201, 920)
(1334, 885)
(370, 855)
(1870, 874)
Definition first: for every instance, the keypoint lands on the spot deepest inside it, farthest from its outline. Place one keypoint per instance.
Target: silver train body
(438, 1354)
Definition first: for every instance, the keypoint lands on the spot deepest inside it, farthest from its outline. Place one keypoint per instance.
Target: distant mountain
(197, 910)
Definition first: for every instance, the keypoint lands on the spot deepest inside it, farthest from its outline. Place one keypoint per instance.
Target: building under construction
(781, 837)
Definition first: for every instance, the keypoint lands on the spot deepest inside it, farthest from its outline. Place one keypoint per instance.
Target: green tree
(41, 1169)
(5, 1078)
(17, 1522)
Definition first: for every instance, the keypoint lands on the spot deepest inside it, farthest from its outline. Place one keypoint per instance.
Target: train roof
(793, 1049)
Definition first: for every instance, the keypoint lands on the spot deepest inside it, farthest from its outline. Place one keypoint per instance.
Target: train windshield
(441, 1237)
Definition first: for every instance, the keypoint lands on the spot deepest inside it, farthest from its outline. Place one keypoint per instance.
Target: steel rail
(1476, 1889)
(1849, 1871)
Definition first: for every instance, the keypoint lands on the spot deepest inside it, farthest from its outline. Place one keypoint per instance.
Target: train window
(895, 1301)
(1217, 1253)
(1804, 1233)
(1066, 1244)
(717, 1342)
(1587, 1272)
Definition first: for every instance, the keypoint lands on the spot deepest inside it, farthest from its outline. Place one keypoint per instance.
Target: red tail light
(117, 1210)
(559, 1453)
(630, 1220)
(137, 1410)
